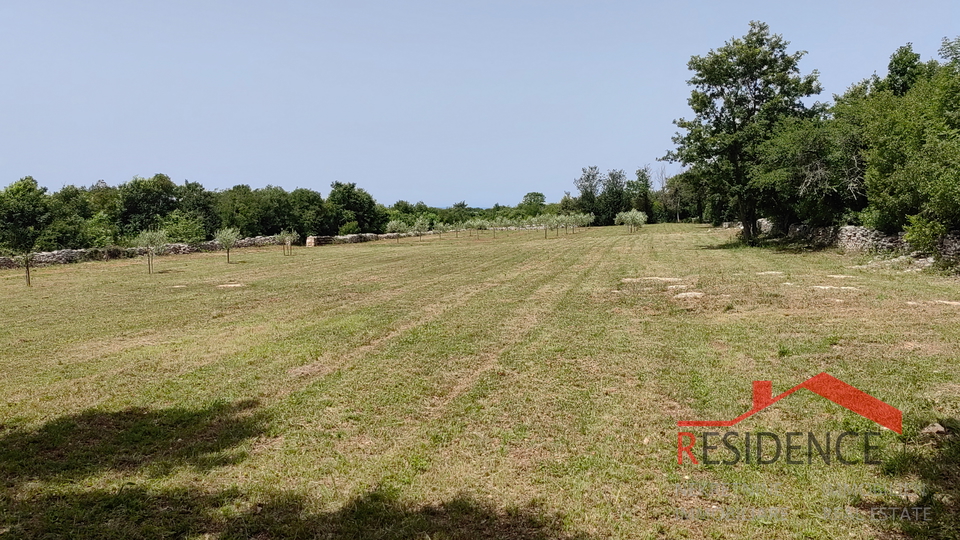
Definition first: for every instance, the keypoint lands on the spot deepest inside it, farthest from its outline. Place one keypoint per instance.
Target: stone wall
(313, 241)
(854, 239)
(950, 246)
(851, 238)
(67, 256)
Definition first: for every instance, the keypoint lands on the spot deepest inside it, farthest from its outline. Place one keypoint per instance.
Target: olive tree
(397, 226)
(633, 219)
(153, 240)
(420, 226)
(441, 227)
(227, 238)
(286, 239)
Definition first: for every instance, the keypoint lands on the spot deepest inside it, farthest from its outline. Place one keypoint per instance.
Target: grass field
(515, 388)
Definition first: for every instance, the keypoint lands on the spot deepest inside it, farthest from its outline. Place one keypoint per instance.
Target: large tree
(740, 92)
(589, 187)
(143, 202)
(355, 204)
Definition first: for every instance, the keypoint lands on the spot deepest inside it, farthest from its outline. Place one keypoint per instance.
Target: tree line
(885, 154)
(31, 219)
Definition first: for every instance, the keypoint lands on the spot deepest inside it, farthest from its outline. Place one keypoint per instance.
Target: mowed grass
(514, 387)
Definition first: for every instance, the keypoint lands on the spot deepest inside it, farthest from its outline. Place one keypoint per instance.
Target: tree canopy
(740, 93)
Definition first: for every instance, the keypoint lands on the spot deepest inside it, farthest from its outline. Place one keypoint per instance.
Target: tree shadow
(155, 441)
(935, 461)
(137, 512)
(780, 245)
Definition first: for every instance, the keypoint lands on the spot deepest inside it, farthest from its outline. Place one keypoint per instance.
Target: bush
(924, 234)
(184, 227)
(350, 227)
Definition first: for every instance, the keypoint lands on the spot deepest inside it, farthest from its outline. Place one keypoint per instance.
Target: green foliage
(227, 238)
(638, 191)
(613, 197)
(420, 226)
(153, 240)
(589, 187)
(397, 226)
(193, 199)
(143, 202)
(101, 230)
(185, 227)
(287, 239)
(532, 203)
(353, 204)
(633, 219)
(310, 213)
(924, 234)
(24, 215)
(741, 91)
(350, 227)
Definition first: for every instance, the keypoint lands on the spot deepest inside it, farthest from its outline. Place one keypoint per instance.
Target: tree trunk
(26, 265)
(228, 256)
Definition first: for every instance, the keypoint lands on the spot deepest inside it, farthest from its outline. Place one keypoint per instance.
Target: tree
(420, 226)
(274, 210)
(186, 227)
(310, 213)
(239, 208)
(589, 187)
(227, 238)
(532, 203)
(143, 202)
(192, 198)
(286, 239)
(24, 215)
(355, 204)
(613, 197)
(568, 204)
(398, 227)
(638, 191)
(153, 240)
(69, 211)
(741, 91)
(440, 227)
(633, 219)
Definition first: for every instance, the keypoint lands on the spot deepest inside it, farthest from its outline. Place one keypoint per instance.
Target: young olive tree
(397, 226)
(153, 240)
(286, 239)
(420, 226)
(584, 220)
(633, 219)
(440, 228)
(227, 238)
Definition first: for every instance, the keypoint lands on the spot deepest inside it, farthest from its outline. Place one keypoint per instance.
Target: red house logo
(825, 385)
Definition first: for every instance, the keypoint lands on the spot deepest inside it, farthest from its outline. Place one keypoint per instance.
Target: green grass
(462, 388)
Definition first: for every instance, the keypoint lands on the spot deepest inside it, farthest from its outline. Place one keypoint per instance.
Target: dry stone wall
(854, 239)
(67, 256)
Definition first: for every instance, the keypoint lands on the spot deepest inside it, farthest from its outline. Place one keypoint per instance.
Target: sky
(433, 101)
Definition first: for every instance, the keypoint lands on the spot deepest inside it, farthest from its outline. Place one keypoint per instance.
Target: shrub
(350, 227)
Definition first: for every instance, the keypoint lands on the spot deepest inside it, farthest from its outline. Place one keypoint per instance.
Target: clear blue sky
(438, 101)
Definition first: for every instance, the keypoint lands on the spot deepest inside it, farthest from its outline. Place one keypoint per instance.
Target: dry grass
(455, 388)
